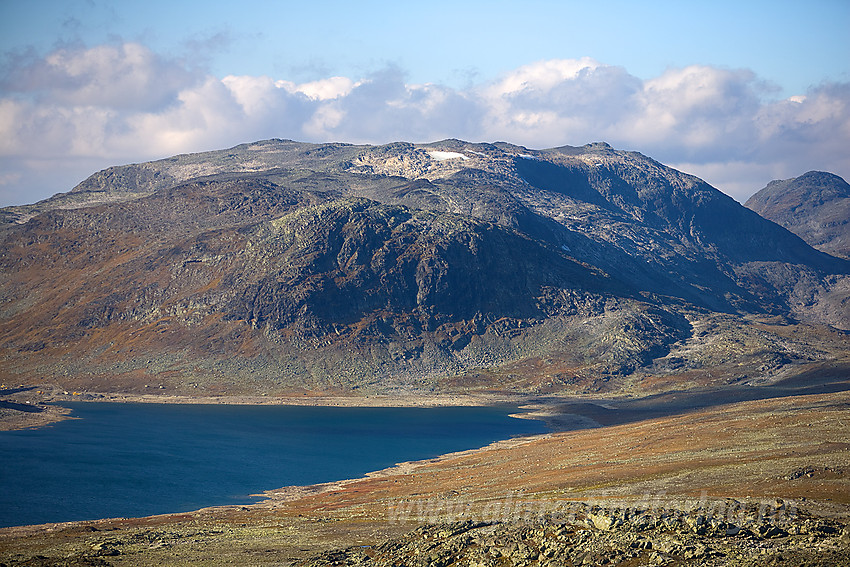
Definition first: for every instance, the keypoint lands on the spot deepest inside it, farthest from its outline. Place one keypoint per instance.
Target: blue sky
(738, 93)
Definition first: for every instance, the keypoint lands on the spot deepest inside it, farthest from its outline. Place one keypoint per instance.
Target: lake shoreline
(29, 408)
(788, 450)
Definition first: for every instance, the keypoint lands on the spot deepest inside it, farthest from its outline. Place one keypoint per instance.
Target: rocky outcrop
(605, 538)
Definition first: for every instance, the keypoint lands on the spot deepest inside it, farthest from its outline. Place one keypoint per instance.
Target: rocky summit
(814, 206)
(284, 267)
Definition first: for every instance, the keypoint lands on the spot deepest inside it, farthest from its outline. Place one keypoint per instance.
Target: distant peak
(818, 175)
(809, 176)
(817, 185)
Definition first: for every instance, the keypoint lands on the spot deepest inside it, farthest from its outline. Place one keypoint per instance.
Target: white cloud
(120, 103)
(384, 108)
(540, 77)
(324, 89)
(556, 101)
(327, 118)
(253, 94)
(126, 76)
(700, 107)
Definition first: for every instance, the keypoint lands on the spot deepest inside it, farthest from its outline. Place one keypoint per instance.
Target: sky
(736, 92)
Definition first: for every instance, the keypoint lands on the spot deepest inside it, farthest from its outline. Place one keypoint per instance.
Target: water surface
(128, 460)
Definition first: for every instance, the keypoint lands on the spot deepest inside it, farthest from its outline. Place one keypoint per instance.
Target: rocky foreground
(605, 538)
(734, 534)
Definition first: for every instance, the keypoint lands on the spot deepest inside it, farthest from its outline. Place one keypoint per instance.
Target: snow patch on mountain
(442, 156)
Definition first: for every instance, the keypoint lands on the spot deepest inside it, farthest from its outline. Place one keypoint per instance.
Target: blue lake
(128, 460)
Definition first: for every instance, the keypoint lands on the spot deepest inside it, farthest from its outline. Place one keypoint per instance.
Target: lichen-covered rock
(522, 544)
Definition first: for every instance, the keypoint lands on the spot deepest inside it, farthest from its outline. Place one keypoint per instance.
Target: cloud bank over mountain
(78, 109)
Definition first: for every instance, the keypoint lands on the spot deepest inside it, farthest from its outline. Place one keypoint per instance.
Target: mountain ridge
(283, 266)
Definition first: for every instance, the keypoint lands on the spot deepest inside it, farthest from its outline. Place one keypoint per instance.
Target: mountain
(281, 266)
(814, 206)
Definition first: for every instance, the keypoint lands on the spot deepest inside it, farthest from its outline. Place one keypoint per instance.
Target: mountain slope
(280, 267)
(814, 206)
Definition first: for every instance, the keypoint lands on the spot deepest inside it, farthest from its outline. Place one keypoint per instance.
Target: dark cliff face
(669, 233)
(344, 259)
(275, 266)
(814, 206)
